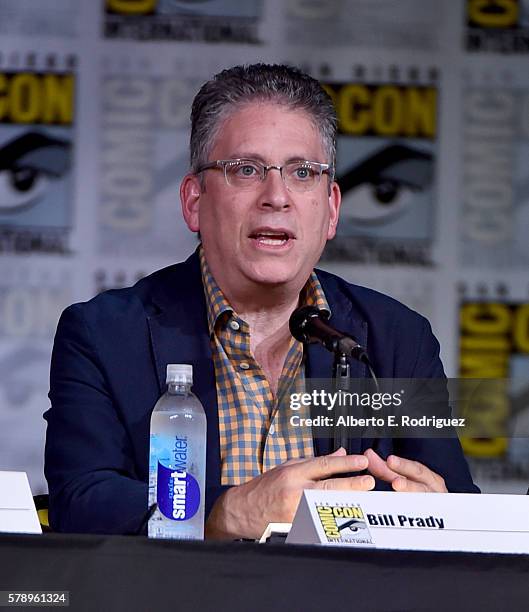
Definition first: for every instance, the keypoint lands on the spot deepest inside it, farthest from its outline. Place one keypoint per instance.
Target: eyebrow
(260, 158)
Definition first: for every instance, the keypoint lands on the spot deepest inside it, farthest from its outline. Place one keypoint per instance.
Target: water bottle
(177, 460)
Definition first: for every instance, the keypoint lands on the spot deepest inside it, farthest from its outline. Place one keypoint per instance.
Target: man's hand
(405, 475)
(244, 511)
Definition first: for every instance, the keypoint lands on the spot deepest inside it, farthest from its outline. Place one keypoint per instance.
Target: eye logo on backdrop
(36, 122)
(386, 154)
(379, 187)
(499, 26)
(28, 164)
(185, 20)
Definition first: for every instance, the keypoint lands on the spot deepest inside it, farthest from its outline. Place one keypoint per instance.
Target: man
(262, 195)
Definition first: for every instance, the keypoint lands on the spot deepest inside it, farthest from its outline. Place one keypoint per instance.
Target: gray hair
(234, 87)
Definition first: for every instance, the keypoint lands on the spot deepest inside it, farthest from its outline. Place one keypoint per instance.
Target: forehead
(270, 130)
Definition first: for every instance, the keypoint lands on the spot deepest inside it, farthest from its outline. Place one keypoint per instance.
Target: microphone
(309, 324)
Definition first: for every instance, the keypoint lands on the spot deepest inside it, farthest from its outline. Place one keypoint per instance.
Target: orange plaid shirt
(254, 428)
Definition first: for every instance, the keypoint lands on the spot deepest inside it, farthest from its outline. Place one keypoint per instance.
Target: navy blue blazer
(108, 371)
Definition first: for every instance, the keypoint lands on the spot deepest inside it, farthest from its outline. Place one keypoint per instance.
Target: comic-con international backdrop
(433, 160)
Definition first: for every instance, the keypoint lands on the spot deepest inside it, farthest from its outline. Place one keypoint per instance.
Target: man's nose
(274, 193)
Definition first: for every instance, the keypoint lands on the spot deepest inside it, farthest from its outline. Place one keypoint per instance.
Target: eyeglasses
(244, 174)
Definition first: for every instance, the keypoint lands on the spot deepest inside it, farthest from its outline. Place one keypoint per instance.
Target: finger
(378, 467)
(338, 452)
(413, 470)
(354, 483)
(299, 460)
(403, 485)
(327, 465)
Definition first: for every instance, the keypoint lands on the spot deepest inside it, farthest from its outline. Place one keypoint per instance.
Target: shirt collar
(216, 303)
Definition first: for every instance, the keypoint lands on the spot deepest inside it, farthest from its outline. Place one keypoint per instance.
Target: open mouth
(272, 238)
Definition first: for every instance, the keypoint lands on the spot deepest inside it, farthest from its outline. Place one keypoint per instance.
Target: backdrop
(433, 160)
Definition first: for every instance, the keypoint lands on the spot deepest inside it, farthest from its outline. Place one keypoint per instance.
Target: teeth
(272, 241)
(273, 236)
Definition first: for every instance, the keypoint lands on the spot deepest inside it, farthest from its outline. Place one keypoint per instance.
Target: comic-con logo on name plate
(344, 523)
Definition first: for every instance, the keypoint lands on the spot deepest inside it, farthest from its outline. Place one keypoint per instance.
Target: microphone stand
(341, 373)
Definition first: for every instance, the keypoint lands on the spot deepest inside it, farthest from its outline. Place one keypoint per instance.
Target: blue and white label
(178, 493)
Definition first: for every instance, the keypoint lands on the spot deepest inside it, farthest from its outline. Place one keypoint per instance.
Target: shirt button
(244, 366)
(234, 325)
(272, 430)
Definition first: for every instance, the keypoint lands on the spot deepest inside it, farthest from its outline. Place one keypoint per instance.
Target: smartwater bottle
(177, 460)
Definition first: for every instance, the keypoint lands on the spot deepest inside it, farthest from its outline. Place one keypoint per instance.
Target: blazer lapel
(179, 334)
(319, 362)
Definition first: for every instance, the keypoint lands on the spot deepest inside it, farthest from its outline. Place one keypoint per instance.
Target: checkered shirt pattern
(254, 428)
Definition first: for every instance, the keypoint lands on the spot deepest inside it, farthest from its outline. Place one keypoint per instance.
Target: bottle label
(178, 492)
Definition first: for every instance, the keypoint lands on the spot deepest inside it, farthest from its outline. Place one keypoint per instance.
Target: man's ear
(335, 200)
(190, 192)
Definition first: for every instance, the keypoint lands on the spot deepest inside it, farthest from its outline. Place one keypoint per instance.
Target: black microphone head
(300, 318)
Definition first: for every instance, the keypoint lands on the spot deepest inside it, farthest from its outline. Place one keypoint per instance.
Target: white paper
(17, 510)
(274, 528)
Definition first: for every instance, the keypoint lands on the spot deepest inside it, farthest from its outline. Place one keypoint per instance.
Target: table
(134, 573)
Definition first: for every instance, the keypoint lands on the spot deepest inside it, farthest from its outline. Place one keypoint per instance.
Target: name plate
(17, 510)
(413, 521)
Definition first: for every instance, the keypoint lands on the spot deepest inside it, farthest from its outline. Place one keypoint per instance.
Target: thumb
(338, 452)
(378, 467)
